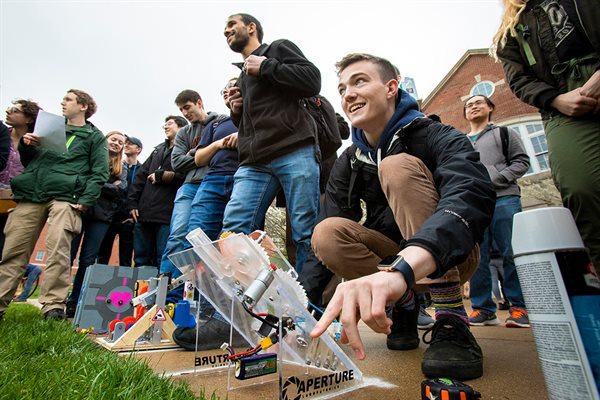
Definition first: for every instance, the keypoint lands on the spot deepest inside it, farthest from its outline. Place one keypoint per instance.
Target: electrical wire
(319, 310)
(258, 317)
(251, 352)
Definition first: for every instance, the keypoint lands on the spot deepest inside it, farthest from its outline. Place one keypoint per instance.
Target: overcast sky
(134, 57)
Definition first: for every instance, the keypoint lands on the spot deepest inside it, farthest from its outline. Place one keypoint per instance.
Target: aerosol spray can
(562, 295)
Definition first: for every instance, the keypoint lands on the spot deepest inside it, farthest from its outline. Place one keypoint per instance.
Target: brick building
(477, 73)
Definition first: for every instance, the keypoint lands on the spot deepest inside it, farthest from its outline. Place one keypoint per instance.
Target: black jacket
(528, 58)
(273, 122)
(108, 203)
(155, 201)
(467, 197)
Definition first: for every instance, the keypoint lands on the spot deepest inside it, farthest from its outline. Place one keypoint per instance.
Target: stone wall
(539, 191)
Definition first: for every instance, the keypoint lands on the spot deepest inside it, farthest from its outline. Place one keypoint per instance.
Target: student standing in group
(122, 223)
(151, 198)
(550, 52)
(21, 117)
(504, 156)
(277, 136)
(182, 158)
(57, 188)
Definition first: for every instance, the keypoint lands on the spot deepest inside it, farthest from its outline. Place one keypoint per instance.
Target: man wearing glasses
(504, 156)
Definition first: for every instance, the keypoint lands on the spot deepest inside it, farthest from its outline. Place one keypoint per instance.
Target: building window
(534, 139)
(484, 88)
(39, 256)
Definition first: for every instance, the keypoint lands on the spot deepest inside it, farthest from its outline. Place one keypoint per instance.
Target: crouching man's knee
(326, 240)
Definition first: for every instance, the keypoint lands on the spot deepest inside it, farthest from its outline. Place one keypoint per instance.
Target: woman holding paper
(21, 117)
(97, 219)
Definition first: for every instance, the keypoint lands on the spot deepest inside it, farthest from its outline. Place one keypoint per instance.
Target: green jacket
(528, 58)
(76, 175)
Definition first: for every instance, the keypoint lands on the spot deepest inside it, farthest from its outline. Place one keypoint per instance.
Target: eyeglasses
(227, 87)
(475, 103)
(14, 109)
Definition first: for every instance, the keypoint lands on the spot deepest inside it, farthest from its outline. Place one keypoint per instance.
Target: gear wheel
(241, 259)
(295, 286)
(240, 262)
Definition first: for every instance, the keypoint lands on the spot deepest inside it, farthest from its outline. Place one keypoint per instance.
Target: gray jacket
(504, 173)
(184, 149)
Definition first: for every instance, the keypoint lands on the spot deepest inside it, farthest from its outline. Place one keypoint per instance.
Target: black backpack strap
(355, 167)
(504, 139)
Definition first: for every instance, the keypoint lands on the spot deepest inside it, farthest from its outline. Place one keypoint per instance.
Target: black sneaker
(71, 309)
(404, 334)
(453, 351)
(55, 314)
(211, 335)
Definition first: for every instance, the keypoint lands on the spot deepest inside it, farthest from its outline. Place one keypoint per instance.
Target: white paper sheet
(50, 128)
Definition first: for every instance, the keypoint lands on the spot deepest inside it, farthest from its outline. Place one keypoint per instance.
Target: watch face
(389, 261)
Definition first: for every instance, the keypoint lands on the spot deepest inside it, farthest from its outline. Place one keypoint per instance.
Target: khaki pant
(22, 231)
(351, 250)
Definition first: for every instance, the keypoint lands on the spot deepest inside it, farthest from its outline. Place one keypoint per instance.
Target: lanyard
(70, 141)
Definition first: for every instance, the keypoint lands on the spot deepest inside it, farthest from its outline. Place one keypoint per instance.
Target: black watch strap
(405, 269)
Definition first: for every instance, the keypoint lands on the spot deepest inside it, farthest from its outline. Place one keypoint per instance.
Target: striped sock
(447, 300)
(407, 301)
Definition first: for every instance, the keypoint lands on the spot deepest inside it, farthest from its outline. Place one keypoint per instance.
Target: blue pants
(207, 213)
(499, 231)
(257, 185)
(149, 241)
(176, 242)
(33, 272)
(209, 205)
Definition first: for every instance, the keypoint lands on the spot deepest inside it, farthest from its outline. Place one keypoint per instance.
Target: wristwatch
(397, 263)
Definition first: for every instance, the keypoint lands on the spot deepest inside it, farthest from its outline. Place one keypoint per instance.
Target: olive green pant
(574, 153)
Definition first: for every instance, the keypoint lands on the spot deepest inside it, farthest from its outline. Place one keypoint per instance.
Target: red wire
(246, 353)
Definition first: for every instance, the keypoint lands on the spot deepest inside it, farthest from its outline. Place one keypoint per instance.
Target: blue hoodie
(406, 111)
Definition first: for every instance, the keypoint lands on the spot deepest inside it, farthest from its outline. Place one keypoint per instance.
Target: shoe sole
(450, 369)
(489, 322)
(404, 346)
(513, 324)
(424, 327)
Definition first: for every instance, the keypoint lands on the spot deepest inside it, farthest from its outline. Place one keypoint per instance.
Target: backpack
(328, 124)
(330, 128)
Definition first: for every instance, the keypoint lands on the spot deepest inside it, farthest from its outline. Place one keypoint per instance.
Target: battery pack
(447, 389)
(256, 365)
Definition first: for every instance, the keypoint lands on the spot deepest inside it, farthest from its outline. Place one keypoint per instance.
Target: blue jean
(149, 241)
(93, 233)
(182, 208)
(208, 208)
(33, 272)
(256, 186)
(499, 231)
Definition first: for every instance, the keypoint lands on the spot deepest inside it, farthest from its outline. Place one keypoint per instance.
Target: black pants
(125, 232)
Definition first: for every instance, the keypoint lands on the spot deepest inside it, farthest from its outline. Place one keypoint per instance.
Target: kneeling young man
(428, 201)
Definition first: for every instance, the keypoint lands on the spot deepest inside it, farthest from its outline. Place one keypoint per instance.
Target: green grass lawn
(48, 360)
